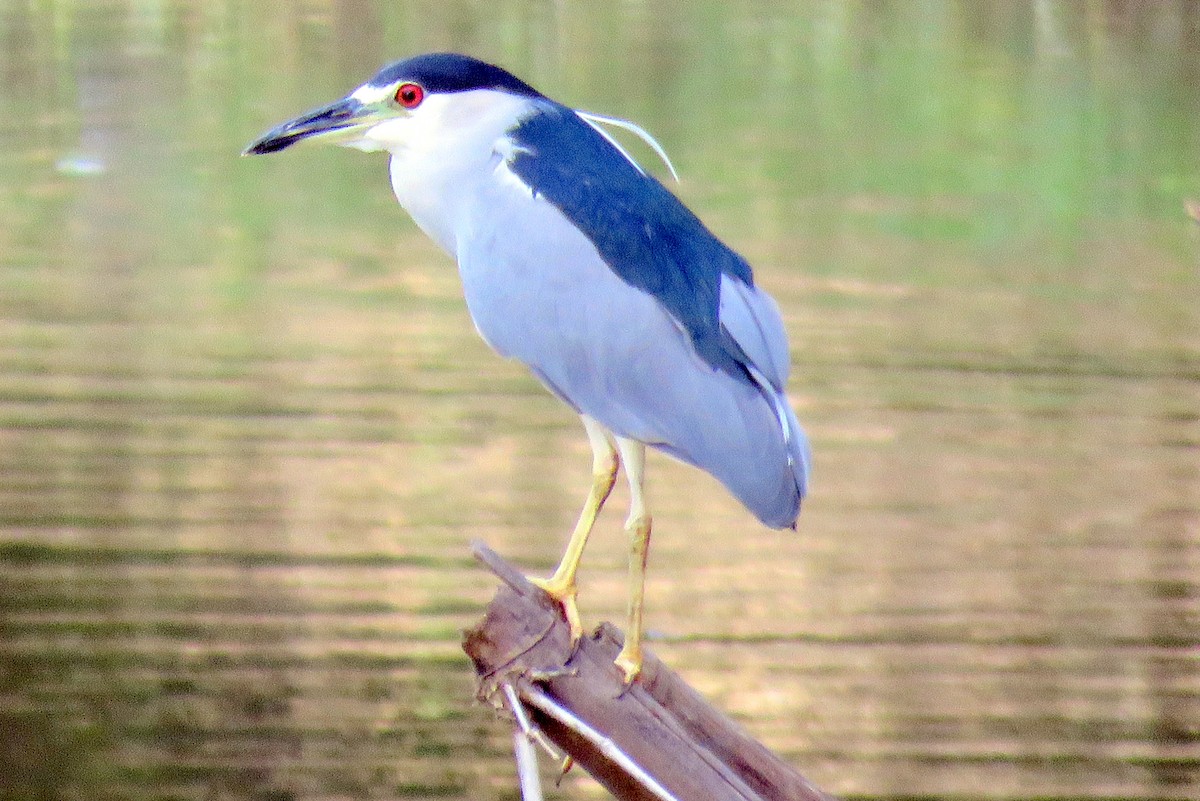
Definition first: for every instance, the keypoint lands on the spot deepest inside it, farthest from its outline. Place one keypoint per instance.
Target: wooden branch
(658, 739)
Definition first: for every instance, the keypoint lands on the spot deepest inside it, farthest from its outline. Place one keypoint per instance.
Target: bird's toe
(564, 594)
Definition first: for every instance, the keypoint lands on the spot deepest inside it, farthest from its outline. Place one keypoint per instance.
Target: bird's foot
(543, 676)
(564, 593)
(567, 763)
(629, 662)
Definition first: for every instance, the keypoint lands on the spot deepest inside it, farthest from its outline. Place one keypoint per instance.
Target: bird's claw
(629, 662)
(543, 676)
(567, 763)
(564, 594)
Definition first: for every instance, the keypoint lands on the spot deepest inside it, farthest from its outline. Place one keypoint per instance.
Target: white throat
(443, 150)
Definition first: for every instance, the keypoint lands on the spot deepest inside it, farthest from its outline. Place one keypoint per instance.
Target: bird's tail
(770, 480)
(799, 454)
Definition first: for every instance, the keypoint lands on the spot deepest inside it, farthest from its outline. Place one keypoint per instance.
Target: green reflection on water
(246, 429)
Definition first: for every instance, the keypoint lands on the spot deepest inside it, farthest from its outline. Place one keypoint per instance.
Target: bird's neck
(437, 178)
(433, 198)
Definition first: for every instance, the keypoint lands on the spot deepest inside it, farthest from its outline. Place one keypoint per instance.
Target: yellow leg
(561, 585)
(633, 453)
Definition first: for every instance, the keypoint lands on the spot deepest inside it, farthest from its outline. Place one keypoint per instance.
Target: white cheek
(409, 134)
(387, 135)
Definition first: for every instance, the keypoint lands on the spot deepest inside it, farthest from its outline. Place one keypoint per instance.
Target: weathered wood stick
(658, 736)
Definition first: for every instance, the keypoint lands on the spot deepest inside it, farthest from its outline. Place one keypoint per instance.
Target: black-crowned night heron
(579, 264)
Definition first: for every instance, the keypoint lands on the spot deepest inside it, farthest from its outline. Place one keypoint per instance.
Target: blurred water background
(247, 429)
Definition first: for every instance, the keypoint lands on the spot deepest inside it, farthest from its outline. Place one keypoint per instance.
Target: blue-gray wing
(540, 291)
(750, 317)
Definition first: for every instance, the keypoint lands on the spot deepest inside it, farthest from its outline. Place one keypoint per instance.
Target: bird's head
(408, 104)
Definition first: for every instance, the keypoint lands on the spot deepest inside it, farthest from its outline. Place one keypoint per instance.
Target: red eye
(410, 95)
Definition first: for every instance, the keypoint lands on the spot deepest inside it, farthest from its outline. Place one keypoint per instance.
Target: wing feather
(628, 308)
(751, 317)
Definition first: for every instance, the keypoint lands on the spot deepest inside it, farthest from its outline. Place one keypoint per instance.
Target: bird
(577, 262)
